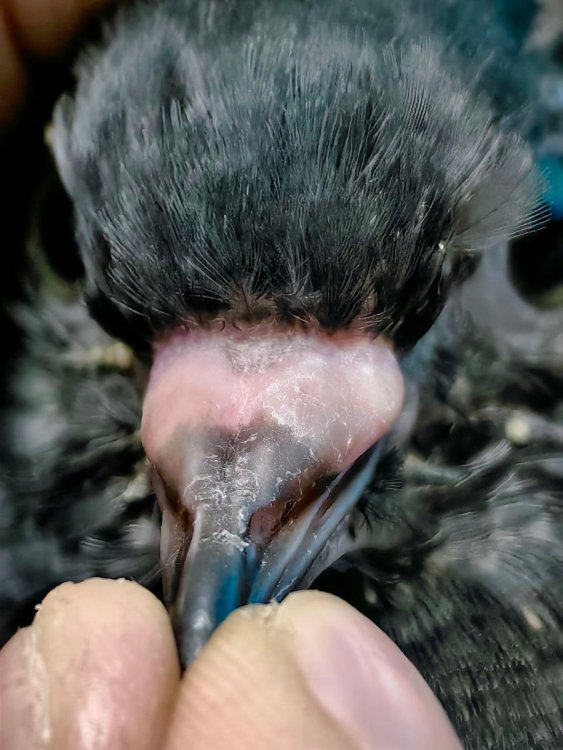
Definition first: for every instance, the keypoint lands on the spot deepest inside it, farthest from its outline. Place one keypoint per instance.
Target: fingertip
(98, 668)
(311, 672)
(245, 692)
(361, 677)
(16, 702)
(44, 27)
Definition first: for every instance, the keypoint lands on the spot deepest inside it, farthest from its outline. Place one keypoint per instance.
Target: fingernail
(362, 679)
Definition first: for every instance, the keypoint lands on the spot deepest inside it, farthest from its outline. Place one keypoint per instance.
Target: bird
(307, 333)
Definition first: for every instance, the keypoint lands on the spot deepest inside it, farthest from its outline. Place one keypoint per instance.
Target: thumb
(309, 673)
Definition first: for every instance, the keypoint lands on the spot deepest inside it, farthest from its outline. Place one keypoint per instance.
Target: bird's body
(316, 166)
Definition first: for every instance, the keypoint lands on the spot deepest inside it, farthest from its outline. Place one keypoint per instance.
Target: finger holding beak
(97, 669)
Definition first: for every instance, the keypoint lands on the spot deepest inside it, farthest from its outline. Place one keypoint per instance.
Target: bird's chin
(262, 442)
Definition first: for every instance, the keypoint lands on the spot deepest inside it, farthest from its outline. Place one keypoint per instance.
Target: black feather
(313, 161)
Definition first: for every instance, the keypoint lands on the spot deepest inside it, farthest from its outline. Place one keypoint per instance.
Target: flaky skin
(338, 165)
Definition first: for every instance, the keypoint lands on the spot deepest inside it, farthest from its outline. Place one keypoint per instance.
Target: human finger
(309, 673)
(97, 668)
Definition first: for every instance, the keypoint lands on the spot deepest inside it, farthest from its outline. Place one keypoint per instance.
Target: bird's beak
(262, 442)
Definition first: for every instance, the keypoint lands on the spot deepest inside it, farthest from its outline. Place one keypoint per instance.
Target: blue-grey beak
(229, 559)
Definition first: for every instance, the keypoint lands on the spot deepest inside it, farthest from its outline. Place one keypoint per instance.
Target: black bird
(314, 330)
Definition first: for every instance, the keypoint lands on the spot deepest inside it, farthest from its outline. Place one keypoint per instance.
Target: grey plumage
(461, 531)
(317, 164)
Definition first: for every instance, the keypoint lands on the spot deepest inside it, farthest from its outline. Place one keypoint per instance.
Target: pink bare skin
(98, 667)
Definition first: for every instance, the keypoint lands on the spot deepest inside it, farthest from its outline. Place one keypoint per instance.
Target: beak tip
(192, 640)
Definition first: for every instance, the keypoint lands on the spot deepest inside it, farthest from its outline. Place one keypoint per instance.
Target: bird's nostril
(167, 495)
(286, 509)
(177, 525)
(265, 522)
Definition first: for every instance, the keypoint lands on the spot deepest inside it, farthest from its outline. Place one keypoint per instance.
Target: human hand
(98, 669)
(34, 29)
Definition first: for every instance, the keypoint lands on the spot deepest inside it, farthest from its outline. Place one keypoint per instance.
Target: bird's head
(273, 225)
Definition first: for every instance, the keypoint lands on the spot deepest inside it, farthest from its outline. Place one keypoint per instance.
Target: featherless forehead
(296, 170)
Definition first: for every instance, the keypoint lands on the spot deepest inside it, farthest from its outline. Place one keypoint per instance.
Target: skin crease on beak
(247, 431)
